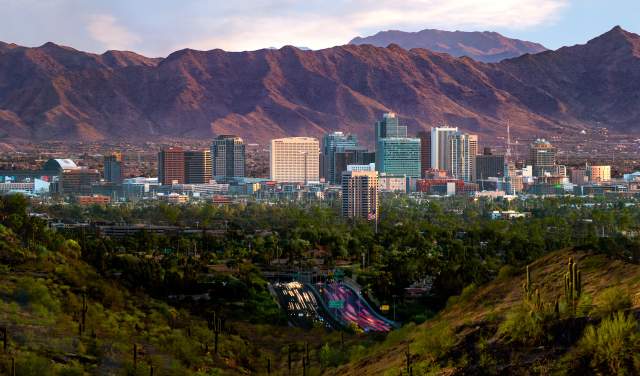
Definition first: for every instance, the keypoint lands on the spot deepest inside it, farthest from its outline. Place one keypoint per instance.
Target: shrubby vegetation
(612, 346)
(451, 243)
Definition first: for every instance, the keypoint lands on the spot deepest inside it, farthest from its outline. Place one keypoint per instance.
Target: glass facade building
(332, 143)
(396, 154)
(227, 158)
(399, 156)
(542, 156)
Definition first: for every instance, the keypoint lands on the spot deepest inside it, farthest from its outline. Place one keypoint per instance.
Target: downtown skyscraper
(440, 153)
(227, 158)
(113, 168)
(360, 194)
(463, 148)
(171, 166)
(396, 154)
(332, 143)
(197, 167)
(294, 160)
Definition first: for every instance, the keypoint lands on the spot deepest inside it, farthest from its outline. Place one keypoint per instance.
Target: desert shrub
(35, 294)
(435, 341)
(612, 347)
(464, 296)
(71, 369)
(612, 300)
(396, 336)
(507, 271)
(585, 305)
(181, 347)
(419, 318)
(32, 365)
(527, 327)
(71, 248)
(332, 357)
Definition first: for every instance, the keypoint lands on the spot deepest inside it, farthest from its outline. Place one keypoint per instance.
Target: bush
(613, 346)
(435, 341)
(32, 365)
(331, 357)
(464, 296)
(507, 271)
(34, 293)
(612, 300)
(527, 327)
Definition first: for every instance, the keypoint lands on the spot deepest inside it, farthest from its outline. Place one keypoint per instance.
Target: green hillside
(496, 329)
(47, 292)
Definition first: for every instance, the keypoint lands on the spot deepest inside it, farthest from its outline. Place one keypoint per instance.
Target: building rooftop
(60, 165)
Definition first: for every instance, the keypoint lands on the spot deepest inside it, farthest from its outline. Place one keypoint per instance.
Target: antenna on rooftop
(508, 151)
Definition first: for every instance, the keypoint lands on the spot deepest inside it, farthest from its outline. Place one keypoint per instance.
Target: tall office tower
(542, 157)
(463, 149)
(396, 154)
(171, 166)
(440, 147)
(333, 143)
(425, 150)
(354, 156)
(399, 156)
(360, 194)
(489, 165)
(197, 166)
(227, 158)
(389, 127)
(294, 159)
(113, 169)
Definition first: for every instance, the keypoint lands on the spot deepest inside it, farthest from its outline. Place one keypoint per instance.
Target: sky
(158, 27)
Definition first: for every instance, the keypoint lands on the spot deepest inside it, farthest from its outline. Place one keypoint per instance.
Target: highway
(354, 310)
(300, 304)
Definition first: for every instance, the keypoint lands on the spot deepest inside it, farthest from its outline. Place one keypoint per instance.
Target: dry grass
(492, 301)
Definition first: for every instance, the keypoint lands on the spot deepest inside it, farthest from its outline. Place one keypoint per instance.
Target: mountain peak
(617, 32)
(617, 39)
(485, 46)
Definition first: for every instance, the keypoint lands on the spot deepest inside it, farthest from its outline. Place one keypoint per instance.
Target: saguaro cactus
(135, 355)
(409, 361)
(5, 338)
(83, 314)
(215, 324)
(527, 288)
(572, 285)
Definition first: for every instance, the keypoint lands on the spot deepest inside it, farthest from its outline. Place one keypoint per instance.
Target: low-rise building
(93, 200)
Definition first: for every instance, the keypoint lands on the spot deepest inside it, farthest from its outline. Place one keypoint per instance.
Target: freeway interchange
(332, 305)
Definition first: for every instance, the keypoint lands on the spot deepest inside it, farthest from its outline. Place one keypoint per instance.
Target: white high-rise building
(295, 160)
(440, 153)
(463, 149)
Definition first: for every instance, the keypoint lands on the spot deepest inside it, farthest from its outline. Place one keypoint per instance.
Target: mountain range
(54, 92)
(485, 46)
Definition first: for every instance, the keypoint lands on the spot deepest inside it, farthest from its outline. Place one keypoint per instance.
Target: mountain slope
(55, 92)
(465, 338)
(483, 46)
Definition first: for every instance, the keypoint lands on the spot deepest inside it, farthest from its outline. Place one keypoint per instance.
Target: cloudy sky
(159, 27)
